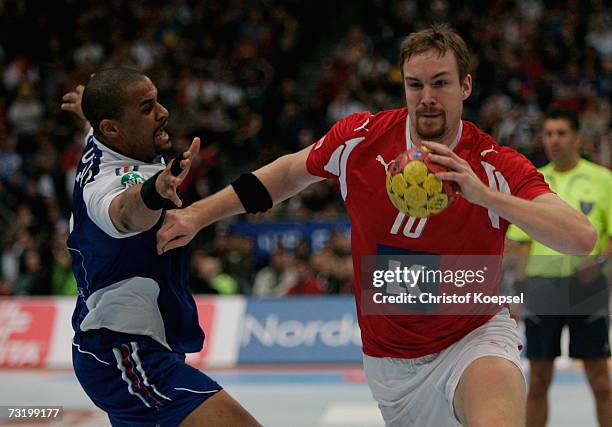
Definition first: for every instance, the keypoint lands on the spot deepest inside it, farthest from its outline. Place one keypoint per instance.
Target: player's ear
(109, 128)
(466, 86)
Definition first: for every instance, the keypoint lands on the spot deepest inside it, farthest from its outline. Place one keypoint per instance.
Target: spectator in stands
(32, 278)
(307, 283)
(278, 277)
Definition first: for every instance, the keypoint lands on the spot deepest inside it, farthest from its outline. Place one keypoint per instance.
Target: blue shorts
(136, 380)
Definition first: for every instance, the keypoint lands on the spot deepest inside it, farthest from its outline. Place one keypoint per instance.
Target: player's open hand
(168, 181)
(178, 229)
(471, 187)
(71, 101)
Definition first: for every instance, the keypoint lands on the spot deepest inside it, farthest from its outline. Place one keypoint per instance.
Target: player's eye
(147, 109)
(415, 85)
(440, 83)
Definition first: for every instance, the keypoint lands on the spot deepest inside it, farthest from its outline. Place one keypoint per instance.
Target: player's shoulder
(364, 122)
(383, 120)
(598, 172)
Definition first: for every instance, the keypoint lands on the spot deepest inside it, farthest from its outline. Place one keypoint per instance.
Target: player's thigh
(411, 392)
(488, 385)
(220, 410)
(491, 391)
(137, 381)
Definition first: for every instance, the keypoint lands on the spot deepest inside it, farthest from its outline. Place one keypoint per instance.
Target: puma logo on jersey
(380, 159)
(363, 126)
(490, 150)
(319, 143)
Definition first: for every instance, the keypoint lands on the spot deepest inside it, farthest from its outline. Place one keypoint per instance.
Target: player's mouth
(431, 115)
(161, 136)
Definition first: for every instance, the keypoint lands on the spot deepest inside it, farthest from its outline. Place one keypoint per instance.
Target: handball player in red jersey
(425, 371)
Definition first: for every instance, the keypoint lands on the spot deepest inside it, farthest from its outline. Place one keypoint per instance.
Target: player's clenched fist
(178, 229)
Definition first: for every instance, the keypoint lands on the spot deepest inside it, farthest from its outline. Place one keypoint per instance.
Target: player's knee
(601, 387)
(537, 390)
(539, 382)
(220, 410)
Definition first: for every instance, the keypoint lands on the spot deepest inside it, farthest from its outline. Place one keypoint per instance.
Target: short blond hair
(440, 38)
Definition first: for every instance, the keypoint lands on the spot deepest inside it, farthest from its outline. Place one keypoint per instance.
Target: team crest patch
(132, 178)
(586, 207)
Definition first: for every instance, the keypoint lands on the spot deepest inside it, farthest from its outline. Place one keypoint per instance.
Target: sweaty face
(561, 142)
(142, 127)
(434, 95)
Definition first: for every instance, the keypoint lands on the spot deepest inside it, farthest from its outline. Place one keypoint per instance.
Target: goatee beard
(431, 134)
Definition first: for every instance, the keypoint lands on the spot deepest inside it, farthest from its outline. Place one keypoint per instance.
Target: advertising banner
(266, 234)
(301, 330)
(26, 332)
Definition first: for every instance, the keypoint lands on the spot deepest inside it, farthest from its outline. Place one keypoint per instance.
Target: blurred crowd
(255, 80)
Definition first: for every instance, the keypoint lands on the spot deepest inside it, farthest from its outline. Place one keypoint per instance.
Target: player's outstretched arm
(137, 209)
(282, 178)
(546, 218)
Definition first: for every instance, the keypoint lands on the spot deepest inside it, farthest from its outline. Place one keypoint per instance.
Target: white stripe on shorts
(88, 352)
(196, 391)
(140, 369)
(124, 376)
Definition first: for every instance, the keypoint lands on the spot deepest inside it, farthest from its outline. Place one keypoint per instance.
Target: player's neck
(567, 165)
(450, 137)
(119, 149)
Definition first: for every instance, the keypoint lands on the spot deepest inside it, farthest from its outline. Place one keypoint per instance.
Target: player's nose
(428, 97)
(162, 113)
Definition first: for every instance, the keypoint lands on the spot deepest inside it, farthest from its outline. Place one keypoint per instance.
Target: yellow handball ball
(413, 187)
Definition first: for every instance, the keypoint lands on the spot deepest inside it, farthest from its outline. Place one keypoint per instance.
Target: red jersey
(356, 152)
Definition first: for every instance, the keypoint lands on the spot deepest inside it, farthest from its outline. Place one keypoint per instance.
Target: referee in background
(588, 188)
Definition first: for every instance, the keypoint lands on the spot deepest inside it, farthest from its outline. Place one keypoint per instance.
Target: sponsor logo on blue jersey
(89, 165)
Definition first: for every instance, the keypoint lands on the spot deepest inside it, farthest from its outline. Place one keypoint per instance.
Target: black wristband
(253, 195)
(151, 198)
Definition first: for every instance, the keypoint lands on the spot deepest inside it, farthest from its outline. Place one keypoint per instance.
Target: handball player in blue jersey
(134, 318)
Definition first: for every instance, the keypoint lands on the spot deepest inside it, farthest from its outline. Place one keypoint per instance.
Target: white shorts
(419, 392)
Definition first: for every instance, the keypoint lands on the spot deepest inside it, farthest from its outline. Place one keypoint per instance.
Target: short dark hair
(441, 38)
(565, 114)
(104, 94)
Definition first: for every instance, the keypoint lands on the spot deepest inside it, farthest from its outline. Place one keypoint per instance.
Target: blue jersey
(124, 286)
